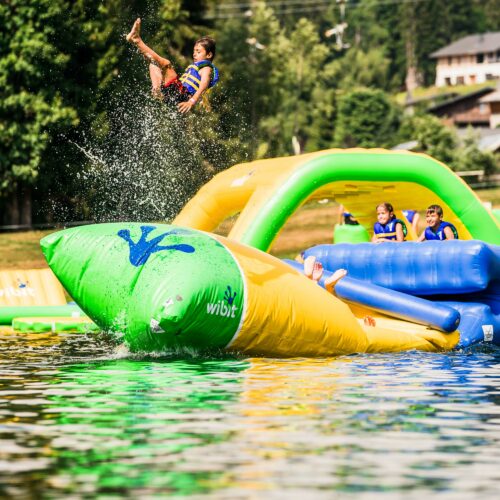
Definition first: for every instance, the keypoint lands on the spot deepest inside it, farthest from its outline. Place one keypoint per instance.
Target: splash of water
(146, 167)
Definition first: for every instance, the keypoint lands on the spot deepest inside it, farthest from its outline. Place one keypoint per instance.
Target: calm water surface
(82, 418)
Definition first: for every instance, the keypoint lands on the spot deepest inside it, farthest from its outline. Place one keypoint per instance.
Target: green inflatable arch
(357, 167)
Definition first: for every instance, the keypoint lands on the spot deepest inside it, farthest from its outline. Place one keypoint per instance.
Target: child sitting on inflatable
(186, 91)
(346, 217)
(388, 228)
(437, 228)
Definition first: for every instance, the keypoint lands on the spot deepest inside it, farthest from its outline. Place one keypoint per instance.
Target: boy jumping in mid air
(183, 92)
(437, 228)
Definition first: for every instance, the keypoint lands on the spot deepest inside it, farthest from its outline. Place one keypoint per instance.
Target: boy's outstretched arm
(205, 74)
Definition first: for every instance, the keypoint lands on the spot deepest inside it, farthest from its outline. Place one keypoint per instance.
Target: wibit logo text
(221, 309)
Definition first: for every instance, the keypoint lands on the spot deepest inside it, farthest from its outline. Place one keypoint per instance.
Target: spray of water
(146, 165)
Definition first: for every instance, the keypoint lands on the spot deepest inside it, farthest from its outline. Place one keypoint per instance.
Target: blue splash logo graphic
(143, 249)
(229, 296)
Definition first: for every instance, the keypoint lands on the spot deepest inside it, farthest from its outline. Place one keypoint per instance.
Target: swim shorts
(174, 92)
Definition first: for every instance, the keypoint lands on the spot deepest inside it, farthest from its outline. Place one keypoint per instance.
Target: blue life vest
(191, 78)
(388, 231)
(439, 234)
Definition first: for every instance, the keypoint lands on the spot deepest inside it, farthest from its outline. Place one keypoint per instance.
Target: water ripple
(80, 416)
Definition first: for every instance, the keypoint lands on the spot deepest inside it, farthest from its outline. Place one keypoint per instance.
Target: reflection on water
(79, 417)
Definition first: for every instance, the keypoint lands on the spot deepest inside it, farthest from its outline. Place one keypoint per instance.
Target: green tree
(491, 12)
(30, 110)
(434, 138)
(319, 132)
(366, 118)
(377, 46)
(67, 77)
(297, 71)
(359, 69)
(251, 51)
(470, 157)
(75, 97)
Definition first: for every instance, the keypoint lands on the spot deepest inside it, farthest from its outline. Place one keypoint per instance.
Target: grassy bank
(311, 225)
(22, 250)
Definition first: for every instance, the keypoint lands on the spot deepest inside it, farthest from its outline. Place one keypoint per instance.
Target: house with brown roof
(467, 110)
(472, 59)
(492, 100)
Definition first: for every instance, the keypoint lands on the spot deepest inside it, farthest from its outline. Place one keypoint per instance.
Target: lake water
(82, 418)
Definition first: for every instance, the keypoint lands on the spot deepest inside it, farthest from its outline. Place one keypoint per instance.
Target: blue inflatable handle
(397, 304)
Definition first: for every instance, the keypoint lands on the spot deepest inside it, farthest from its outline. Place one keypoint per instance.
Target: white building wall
(468, 69)
(494, 120)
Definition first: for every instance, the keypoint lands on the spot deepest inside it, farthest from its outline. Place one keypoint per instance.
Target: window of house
(489, 76)
(472, 79)
(480, 58)
(447, 81)
(460, 80)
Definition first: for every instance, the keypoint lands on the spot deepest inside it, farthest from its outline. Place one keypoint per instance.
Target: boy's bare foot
(309, 266)
(317, 271)
(369, 321)
(333, 279)
(135, 33)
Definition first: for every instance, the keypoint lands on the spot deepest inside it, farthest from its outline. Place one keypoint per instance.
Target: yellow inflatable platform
(181, 286)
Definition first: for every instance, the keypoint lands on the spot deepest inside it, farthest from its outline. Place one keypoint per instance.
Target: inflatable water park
(163, 287)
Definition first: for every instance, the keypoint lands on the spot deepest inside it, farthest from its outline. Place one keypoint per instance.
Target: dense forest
(81, 138)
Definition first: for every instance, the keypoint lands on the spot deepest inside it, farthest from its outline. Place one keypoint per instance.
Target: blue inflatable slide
(452, 285)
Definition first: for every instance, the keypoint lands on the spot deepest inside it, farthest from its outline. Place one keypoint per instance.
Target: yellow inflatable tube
(288, 314)
(166, 287)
